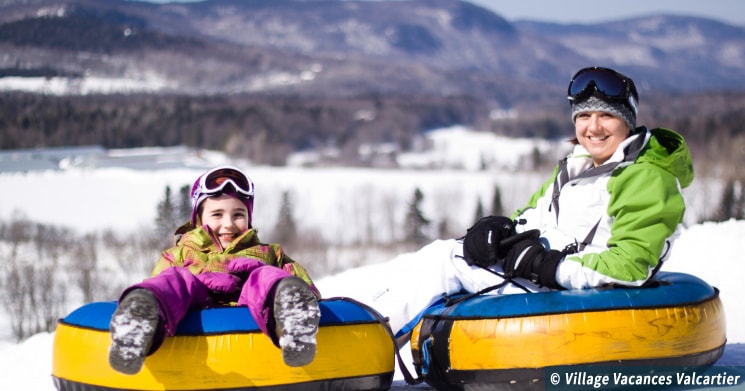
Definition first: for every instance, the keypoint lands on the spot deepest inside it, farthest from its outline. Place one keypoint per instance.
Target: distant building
(49, 158)
(63, 158)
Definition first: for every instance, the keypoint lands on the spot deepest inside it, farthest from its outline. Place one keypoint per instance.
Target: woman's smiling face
(600, 133)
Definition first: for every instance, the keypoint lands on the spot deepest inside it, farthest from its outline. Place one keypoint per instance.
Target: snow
(91, 199)
(710, 251)
(83, 85)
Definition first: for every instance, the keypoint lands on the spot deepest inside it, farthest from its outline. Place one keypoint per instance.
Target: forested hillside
(265, 129)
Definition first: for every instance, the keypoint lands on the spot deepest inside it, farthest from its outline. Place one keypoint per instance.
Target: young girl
(218, 260)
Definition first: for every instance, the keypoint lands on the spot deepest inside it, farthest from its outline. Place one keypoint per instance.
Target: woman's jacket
(621, 218)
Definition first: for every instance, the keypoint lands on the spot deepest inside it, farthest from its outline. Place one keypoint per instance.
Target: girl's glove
(528, 259)
(244, 265)
(219, 282)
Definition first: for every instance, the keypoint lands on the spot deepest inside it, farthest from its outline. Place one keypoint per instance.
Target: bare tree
(16, 299)
(136, 254)
(33, 292)
(84, 260)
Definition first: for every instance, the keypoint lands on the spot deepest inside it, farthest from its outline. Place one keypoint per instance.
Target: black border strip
(369, 382)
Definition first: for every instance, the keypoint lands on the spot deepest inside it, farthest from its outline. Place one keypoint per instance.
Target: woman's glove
(488, 241)
(219, 282)
(481, 245)
(528, 259)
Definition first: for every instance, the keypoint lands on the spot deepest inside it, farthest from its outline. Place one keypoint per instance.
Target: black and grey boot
(297, 315)
(132, 328)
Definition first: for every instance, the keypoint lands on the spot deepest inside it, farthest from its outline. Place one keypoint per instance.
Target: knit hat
(593, 103)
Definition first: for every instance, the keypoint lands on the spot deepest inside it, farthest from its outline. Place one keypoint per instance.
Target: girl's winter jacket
(200, 252)
(622, 216)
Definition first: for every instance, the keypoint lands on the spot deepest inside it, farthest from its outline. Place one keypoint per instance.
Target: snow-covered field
(343, 203)
(710, 251)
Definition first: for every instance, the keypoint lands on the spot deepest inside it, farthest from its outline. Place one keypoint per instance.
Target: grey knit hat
(594, 103)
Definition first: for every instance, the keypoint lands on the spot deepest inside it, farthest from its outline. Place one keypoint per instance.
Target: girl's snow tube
(223, 349)
(508, 340)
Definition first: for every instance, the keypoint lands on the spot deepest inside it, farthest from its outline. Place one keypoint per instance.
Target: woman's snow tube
(508, 340)
(223, 349)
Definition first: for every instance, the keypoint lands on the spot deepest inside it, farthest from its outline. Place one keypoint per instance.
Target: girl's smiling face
(600, 133)
(226, 216)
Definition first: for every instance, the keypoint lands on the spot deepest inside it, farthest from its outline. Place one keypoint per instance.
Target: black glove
(528, 259)
(489, 239)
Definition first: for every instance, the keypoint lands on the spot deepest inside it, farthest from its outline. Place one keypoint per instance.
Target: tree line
(265, 129)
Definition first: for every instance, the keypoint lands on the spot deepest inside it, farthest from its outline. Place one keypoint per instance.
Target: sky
(592, 11)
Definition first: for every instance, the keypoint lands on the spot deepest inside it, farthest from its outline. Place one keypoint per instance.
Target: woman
(607, 216)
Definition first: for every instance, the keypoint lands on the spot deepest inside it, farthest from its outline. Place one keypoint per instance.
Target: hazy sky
(590, 11)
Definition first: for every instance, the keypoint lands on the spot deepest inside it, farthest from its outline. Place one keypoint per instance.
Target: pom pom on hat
(594, 103)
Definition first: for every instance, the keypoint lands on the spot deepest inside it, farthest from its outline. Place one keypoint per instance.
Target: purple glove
(244, 265)
(219, 282)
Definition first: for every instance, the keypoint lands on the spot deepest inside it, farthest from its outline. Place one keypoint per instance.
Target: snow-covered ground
(343, 203)
(710, 251)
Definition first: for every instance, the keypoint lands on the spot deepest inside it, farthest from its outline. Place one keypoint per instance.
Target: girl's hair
(198, 215)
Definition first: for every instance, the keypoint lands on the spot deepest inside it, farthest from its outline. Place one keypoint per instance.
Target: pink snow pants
(177, 291)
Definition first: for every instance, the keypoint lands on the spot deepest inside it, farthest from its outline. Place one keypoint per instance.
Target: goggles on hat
(215, 181)
(605, 83)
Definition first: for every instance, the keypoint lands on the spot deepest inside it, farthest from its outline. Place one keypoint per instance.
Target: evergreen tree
(184, 205)
(536, 159)
(165, 221)
(732, 203)
(479, 210)
(727, 203)
(285, 231)
(740, 204)
(496, 203)
(416, 224)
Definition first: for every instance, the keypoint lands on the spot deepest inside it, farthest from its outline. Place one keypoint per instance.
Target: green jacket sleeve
(645, 206)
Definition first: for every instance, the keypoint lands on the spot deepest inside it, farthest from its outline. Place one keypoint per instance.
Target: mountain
(334, 48)
(665, 51)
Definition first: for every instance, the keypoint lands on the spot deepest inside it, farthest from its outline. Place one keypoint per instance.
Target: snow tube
(508, 341)
(223, 349)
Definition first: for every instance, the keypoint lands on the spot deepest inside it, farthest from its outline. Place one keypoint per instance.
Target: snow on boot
(297, 314)
(132, 327)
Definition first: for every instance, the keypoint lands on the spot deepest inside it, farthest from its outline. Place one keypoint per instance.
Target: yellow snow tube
(223, 349)
(510, 339)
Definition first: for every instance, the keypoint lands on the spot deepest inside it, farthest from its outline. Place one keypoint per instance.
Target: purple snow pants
(178, 290)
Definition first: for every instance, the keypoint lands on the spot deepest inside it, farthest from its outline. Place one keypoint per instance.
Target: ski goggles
(606, 83)
(216, 180)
